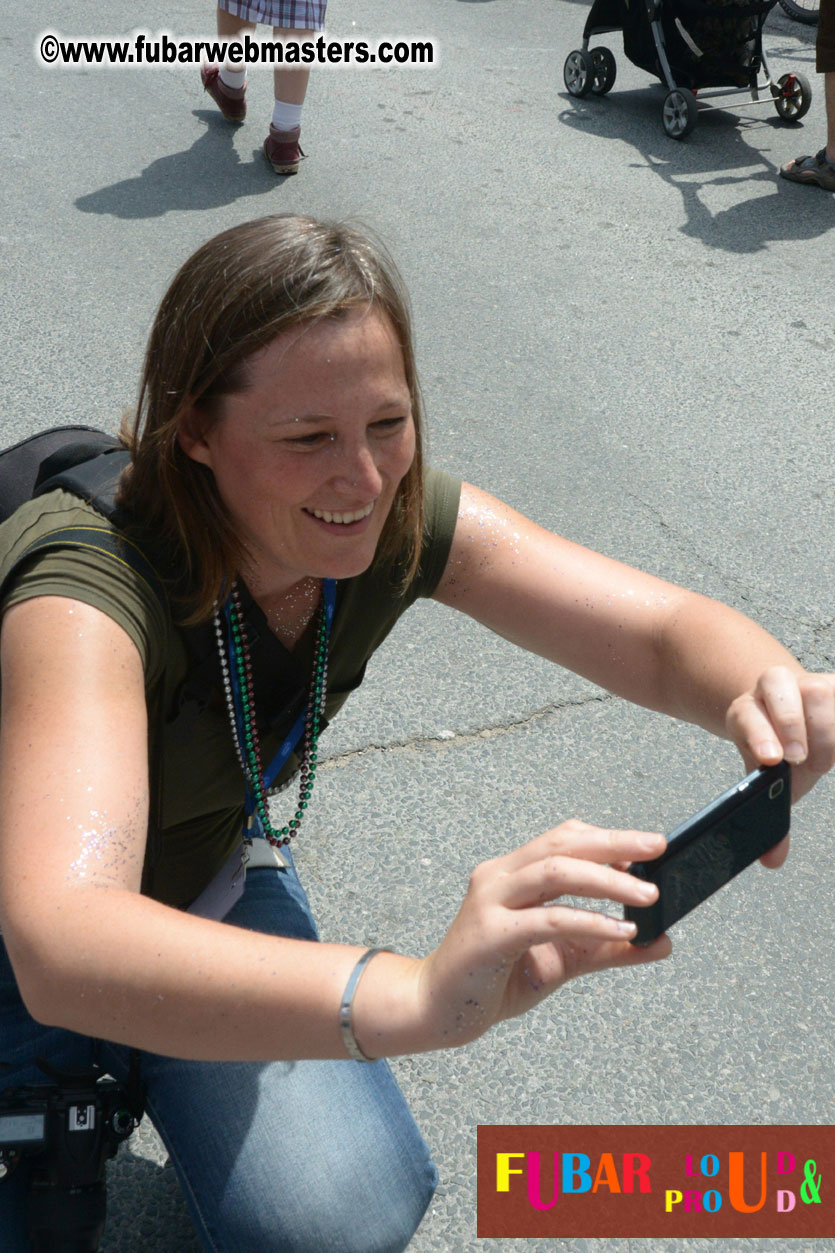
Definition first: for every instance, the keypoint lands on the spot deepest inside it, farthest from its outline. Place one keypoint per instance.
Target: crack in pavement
(746, 592)
(452, 739)
(689, 544)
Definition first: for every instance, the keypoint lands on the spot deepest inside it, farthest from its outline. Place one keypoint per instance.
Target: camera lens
(122, 1122)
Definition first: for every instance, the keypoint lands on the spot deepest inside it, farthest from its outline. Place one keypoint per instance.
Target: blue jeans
(272, 1157)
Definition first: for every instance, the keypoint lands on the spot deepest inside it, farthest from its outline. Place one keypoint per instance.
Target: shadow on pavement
(717, 154)
(207, 175)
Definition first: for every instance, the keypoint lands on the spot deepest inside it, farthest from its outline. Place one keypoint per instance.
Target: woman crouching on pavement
(277, 486)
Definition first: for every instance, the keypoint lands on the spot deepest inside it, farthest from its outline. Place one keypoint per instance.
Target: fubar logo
(720, 1181)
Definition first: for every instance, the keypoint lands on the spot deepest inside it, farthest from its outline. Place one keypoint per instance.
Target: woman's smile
(342, 517)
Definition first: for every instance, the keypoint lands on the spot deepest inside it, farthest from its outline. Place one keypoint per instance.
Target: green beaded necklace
(245, 731)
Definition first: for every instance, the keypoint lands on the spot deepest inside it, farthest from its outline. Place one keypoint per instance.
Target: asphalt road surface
(630, 339)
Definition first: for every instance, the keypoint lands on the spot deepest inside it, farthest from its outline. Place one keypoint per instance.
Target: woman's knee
(294, 1156)
(366, 1203)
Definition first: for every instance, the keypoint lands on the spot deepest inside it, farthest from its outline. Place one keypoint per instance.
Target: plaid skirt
(293, 14)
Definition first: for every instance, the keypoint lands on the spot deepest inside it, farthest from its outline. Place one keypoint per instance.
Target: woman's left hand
(787, 714)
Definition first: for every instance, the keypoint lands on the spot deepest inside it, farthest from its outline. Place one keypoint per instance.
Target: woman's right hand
(514, 942)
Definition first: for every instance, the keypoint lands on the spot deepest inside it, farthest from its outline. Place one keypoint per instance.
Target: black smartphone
(705, 852)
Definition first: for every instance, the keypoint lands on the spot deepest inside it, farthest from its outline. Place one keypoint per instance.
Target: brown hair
(233, 296)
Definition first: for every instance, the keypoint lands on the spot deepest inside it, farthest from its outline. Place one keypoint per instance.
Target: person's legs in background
(820, 169)
(226, 83)
(281, 147)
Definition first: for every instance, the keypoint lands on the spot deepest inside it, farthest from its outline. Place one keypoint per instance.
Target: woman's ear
(191, 436)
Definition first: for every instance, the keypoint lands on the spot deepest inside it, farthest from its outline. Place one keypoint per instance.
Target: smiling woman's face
(308, 458)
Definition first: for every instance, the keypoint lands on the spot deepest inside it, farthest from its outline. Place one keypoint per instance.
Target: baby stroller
(690, 45)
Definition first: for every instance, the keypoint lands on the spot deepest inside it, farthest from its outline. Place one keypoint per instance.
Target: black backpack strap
(102, 539)
(90, 469)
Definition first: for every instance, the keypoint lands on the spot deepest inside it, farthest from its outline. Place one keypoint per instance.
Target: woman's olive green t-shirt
(202, 787)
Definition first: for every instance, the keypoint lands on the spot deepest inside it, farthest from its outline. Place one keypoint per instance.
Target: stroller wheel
(605, 71)
(578, 72)
(680, 112)
(795, 97)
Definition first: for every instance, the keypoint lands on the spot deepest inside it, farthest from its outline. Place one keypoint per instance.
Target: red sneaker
(282, 150)
(230, 100)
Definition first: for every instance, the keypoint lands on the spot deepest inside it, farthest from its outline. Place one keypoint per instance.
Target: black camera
(68, 1129)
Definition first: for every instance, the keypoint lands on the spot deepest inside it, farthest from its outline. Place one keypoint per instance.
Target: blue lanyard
(297, 730)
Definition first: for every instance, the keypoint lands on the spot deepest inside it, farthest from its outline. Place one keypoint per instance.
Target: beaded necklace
(236, 668)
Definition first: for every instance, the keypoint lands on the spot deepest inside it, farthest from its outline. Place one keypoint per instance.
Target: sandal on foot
(282, 150)
(230, 100)
(816, 170)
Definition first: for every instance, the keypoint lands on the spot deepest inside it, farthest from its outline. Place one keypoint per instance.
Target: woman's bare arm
(649, 641)
(89, 952)
(94, 956)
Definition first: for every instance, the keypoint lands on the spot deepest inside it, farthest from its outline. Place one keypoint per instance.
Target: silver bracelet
(345, 1025)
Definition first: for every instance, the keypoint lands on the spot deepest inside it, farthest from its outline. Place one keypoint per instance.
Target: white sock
(286, 117)
(230, 78)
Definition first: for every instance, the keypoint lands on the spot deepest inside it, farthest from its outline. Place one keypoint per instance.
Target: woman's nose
(358, 472)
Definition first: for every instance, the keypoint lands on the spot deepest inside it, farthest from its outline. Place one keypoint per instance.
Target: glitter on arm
(107, 854)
